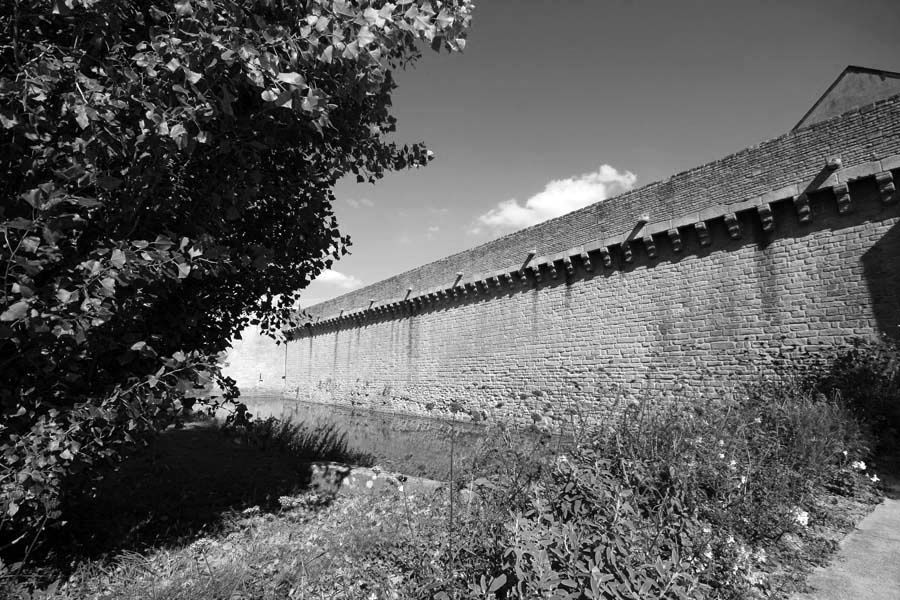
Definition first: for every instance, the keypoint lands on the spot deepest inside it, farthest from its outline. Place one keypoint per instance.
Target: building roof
(854, 87)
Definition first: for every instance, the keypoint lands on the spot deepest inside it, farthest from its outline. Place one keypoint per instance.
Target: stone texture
(585, 341)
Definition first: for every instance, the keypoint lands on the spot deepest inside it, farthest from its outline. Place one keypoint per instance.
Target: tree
(167, 174)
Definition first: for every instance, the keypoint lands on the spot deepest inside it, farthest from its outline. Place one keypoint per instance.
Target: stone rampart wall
(779, 246)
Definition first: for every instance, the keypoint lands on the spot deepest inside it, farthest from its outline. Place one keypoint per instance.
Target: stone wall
(781, 245)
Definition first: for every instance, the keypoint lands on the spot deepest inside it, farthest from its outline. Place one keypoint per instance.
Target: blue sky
(557, 104)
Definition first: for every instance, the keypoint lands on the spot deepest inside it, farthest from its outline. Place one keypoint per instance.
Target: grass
(687, 498)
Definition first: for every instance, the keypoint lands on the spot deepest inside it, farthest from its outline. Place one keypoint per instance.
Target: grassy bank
(731, 496)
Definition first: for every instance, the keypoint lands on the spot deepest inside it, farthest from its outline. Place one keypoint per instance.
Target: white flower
(757, 420)
(844, 452)
(874, 478)
(370, 483)
(721, 442)
(801, 517)
(858, 465)
(721, 456)
(732, 464)
(399, 488)
(743, 480)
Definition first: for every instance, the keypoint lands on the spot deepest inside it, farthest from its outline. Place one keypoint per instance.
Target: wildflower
(370, 483)
(721, 442)
(801, 517)
(400, 488)
(874, 478)
(732, 464)
(844, 452)
(758, 420)
(743, 480)
(707, 553)
(721, 456)
(858, 465)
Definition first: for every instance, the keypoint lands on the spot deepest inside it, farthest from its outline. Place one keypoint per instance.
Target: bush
(168, 169)
(682, 499)
(866, 375)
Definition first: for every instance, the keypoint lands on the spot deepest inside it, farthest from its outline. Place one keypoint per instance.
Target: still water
(413, 445)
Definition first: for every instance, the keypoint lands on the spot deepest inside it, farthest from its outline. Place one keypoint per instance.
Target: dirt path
(867, 564)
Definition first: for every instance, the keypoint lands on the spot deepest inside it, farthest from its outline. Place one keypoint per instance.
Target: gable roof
(855, 86)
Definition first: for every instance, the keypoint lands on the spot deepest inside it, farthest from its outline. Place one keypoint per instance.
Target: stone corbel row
(601, 254)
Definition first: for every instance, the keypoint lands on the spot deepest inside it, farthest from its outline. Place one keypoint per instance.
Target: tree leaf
(15, 312)
(117, 259)
(291, 78)
(183, 8)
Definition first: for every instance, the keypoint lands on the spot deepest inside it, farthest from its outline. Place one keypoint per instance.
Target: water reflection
(408, 444)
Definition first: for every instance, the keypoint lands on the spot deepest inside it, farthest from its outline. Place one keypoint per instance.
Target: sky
(556, 104)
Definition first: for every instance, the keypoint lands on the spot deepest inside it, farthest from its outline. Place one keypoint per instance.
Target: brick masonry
(776, 246)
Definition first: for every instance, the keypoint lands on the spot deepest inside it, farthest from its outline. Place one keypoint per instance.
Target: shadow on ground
(188, 483)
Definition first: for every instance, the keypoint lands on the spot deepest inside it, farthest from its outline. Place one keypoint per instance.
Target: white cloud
(559, 197)
(434, 229)
(339, 280)
(356, 203)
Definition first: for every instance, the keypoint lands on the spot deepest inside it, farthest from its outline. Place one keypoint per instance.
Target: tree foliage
(167, 170)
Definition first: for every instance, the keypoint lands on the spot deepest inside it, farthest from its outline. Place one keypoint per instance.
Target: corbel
(510, 279)
(886, 187)
(842, 195)
(627, 253)
(675, 239)
(523, 277)
(586, 261)
(766, 216)
(650, 246)
(492, 280)
(567, 263)
(804, 211)
(702, 233)
(605, 256)
(473, 287)
(733, 225)
(536, 271)
(553, 272)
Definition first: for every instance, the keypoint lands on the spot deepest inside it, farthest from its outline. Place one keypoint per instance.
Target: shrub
(168, 169)
(866, 375)
(680, 499)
